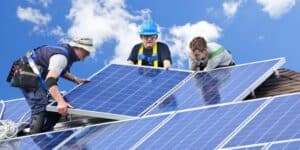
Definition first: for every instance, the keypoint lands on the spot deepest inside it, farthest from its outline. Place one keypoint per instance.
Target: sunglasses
(151, 37)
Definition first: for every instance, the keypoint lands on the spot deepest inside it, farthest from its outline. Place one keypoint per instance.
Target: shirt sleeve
(58, 63)
(133, 54)
(165, 53)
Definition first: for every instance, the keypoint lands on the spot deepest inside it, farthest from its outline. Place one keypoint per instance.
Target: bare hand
(62, 108)
(81, 81)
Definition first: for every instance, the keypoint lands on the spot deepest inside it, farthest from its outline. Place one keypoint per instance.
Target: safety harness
(31, 57)
(153, 60)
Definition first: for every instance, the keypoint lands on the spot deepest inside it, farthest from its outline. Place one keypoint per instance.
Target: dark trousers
(41, 120)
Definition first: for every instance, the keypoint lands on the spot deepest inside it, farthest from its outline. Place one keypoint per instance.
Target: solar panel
(121, 91)
(37, 142)
(15, 110)
(279, 120)
(118, 135)
(290, 144)
(219, 86)
(200, 129)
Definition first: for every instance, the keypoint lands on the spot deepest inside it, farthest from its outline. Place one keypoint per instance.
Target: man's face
(82, 54)
(200, 56)
(148, 40)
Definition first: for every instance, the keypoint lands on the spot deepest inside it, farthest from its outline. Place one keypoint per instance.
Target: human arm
(165, 55)
(62, 105)
(56, 65)
(132, 58)
(75, 79)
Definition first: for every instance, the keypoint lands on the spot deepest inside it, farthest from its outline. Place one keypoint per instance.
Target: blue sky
(252, 30)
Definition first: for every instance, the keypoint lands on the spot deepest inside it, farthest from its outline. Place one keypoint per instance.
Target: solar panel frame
(114, 116)
(111, 125)
(271, 99)
(6, 106)
(173, 114)
(22, 139)
(245, 93)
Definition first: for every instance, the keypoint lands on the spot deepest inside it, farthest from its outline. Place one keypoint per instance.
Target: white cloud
(182, 35)
(33, 16)
(105, 20)
(230, 7)
(108, 20)
(57, 31)
(276, 8)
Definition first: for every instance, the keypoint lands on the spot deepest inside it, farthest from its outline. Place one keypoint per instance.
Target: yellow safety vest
(141, 56)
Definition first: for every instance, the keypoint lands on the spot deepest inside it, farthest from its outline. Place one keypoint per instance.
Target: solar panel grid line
(210, 126)
(282, 60)
(165, 134)
(90, 77)
(52, 108)
(262, 145)
(260, 80)
(16, 110)
(244, 123)
(270, 124)
(160, 100)
(149, 134)
(211, 106)
(137, 103)
(225, 124)
(103, 91)
(95, 85)
(60, 146)
(269, 145)
(38, 134)
(280, 117)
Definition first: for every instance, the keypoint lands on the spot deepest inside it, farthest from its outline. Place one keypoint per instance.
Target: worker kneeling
(37, 73)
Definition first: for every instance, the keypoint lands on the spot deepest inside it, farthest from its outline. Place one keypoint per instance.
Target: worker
(44, 65)
(150, 52)
(207, 56)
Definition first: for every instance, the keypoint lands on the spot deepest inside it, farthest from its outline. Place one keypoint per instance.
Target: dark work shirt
(163, 53)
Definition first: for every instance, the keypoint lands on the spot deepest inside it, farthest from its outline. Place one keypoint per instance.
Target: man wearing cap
(149, 52)
(53, 61)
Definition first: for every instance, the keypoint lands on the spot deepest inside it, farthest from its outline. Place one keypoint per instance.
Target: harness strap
(152, 60)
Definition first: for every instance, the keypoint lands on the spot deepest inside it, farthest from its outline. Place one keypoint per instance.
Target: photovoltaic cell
(15, 109)
(200, 129)
(45, 141)
(218, 86)
(125, 90)
(278, 121)
(121, 135)
(291, 145)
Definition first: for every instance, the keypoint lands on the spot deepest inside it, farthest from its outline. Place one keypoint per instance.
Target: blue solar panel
(125, 90)
(278, 121)
(121, 135)
(15, 109)
(290, 145)
(218, 86)
(37, 142)
(200, 129)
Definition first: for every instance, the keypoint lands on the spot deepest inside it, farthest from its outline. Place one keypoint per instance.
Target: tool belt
(22, 76)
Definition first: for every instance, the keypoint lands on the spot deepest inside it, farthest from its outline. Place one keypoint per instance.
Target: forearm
(55, 93)
(70, 77)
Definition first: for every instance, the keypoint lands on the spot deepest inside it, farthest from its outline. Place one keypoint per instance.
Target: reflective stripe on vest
(141, 56)
(216, 53)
